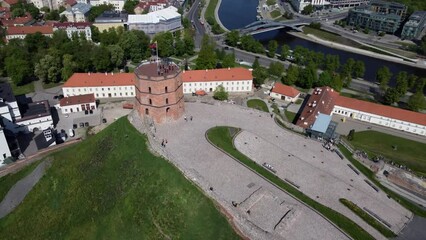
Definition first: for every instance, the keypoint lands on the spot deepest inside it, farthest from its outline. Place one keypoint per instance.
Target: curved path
(18, 192)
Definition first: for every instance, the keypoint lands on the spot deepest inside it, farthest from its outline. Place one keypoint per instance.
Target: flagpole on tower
(156, 50)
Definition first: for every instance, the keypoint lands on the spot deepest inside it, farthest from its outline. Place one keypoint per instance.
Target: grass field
(367, 218)
(51, 85)
(9, 180)
(209, 14)
(329, 36)
(370, 175)
(276, 13)
(257, 104)
(409, 153)
(222, 138)
(24, 89)
(111, 187)
(290, 115)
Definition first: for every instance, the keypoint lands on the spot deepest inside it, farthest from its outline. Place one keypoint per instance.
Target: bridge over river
(268, 25)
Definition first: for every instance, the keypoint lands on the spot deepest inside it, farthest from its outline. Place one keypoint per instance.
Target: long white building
(118, 4)
(79, 103)
(4, 147)
(103, 85)
(164, 20)
(71, 28)
(235, 80)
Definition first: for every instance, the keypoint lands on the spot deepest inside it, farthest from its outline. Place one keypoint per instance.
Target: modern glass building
(415, 27)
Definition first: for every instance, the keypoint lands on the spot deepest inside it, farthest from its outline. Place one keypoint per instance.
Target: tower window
(167, 101)
(165, 89)
(146, 111)
(150, 101)
(149, 89)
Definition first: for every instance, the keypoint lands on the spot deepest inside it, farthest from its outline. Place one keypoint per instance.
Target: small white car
(71, 133)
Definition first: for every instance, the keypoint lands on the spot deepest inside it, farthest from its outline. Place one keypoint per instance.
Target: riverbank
(312, 38)
(216, 15)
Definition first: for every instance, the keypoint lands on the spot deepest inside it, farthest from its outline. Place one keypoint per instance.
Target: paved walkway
(18, 192)
(225, 180)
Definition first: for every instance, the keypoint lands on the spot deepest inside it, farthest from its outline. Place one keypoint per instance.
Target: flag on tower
(153, 45)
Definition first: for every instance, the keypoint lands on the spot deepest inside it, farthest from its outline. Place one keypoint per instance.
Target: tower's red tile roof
(322, 101)
(382, 110)
(285, 90)
(223, 74)
(79, 99)
(29, 30)
(100, 79)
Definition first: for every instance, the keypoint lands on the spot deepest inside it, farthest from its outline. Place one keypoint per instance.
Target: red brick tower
(159, 92)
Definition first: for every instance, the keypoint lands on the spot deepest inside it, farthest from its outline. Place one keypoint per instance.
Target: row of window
(97, 89)
(111, 95)
(150, 101)
(189, 90)
(217, 83)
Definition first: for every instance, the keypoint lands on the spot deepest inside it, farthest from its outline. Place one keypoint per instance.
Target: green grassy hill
(111, 187)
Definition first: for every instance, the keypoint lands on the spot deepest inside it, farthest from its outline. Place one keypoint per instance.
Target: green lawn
(257, 104)
(51, 85)
(222, 137)
(111, 187)
(209, 14)
(290, 115)
(276, 13)
(24, 89)
(9, 180)
(329, 36)
(370, 175)
(367, 218)
(408, 152)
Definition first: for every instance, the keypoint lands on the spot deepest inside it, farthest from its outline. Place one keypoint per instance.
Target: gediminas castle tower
(159, 91)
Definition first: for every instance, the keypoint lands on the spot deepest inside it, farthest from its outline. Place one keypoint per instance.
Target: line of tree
(210, 58)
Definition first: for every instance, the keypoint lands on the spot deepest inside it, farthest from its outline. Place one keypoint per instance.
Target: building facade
(284, 92)
(77, 13)
(71, 28)
(36, 116)
(118, 4)
(234, 80)
(51, 4)
(415, 27)
(79, 103)
(22, 31)
(4, 147)
(164, 20)
(111, 19)
(347, 3)
(159, 91)
(102, 85)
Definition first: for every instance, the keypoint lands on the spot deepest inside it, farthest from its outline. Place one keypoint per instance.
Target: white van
(71, 133)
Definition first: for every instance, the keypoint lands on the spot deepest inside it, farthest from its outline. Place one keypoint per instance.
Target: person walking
(191, 118)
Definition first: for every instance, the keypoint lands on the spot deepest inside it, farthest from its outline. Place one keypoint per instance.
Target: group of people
(186, 119)
(164, 142)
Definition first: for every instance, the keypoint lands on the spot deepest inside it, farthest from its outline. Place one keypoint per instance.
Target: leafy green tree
(228, 61)
(63, 18)
(164, 43)
(255, 64)
(33, 10)
(52, 15)
(336, 82)
(69, 66)
(101, 59)
(383, 76)
(300, 55)
(18, 70)
(391, 96)
(324, 79)
(412, 79)
(117, 55)
(351, 135)
(96, 11)
(285, 52)
(135, 45)
(18, 12)
(189, 44)
(401, 83)
(260, 74)
(179, 47)
(308, 10)
(109, 37)
(332, 63)
(358, 69)
(272, 48)
(417, 101)
(207, 58)
(129, 6)
(36, 41)
(347, 71)
(307, 77)
(276, 69)
(220, 93)
(186, 23)
(292, 75)
(232, 38)
(48, 69)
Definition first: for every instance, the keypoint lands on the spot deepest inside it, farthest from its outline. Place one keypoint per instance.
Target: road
(194, 18)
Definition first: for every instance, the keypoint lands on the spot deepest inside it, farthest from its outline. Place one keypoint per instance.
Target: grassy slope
(9, 180)
(370, 175)
(409, 153)
(329, 36)
(367, 218)
(24, 89)
(290, 116)
(111, 187)
(257, 104)
(221, 137)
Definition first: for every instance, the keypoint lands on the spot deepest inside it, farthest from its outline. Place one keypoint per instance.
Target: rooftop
(29, 30)
(111, 16)
(6, 93)
(100, 79)
(35, 110)
(153, 69)
(285, 90)
(79, 7)
(11, 2)
(223, 74)
(155, 17)
(65, 25)
(76, 100)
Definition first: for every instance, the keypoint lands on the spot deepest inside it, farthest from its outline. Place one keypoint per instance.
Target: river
(236, 14)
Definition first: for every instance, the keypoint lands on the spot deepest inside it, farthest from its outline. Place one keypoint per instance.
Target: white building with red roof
(235, 80)
(72, 28)
(22, 31)
(78, 103)
(284, 92)
(103, 85)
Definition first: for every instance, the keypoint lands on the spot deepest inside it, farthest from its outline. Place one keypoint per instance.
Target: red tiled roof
(146, 5)
(71, 2)
(100, 79)
(322, 101)
(29, 30)
(8, 21)
(223, 74)
(382, 110)
(79, 99)
(65, 25)
(285, 90)
(11, 2)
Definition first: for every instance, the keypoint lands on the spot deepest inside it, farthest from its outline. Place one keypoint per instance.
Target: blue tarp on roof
(322, 122)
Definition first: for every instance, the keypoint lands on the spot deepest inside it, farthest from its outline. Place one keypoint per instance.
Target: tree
(180, 49)
(232, 38)
(417, 101)
(96, 11)
(324, 79)
(358, 69)
(292, 75)
(33, 10)
(18, 70)
(228, 61)
(285, 52)
(336, 82)
(189, 44)
(207, 58)
(383, 76)
(332, 63)
(259, 75)
(299, 54)
(220, 93)
(48, 69)
(272, 48)
(391, 96)
(401, 83)
(18, 12)
(256, 63)
(276, 69)
(117, 55)
(164, 44)
(101, 59)
(307, 77)
(129, 6)
(52, 15)
(347, 71)
(135, 45)
(308, 10)
(69, 66)
(351, 135)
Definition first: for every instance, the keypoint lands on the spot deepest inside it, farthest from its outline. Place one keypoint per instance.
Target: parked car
(60, 96)
(86, 124)
(71, 133)
(104, 120)
(74, 126)
(81, 124)
(55, 97)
